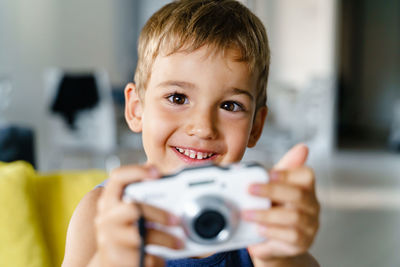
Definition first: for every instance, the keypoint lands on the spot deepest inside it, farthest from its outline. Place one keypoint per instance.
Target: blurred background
(334, 84)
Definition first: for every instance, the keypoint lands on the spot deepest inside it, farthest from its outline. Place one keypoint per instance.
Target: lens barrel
(210, 219)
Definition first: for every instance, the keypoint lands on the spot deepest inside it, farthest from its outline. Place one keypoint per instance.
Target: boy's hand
(291, 224)
(118, 240)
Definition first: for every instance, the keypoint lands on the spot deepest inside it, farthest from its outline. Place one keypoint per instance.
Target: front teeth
(193, 154)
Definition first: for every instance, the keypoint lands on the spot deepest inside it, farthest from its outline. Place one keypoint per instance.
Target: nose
(202, 124)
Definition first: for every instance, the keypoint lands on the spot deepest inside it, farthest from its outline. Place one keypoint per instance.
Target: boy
(199, 96)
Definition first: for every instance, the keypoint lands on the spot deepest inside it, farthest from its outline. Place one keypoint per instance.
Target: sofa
(35, 212)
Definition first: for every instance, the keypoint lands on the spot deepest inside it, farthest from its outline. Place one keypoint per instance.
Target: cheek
(237, 136)
(158, 127)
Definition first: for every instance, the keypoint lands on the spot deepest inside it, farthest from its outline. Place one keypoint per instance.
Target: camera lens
(210, 219)
(209, 224)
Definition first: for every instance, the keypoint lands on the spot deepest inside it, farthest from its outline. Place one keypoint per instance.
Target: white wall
(26, 48)
(79, 35)
(303, 41)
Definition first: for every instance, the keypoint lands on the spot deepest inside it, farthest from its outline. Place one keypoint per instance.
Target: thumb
(294, 158)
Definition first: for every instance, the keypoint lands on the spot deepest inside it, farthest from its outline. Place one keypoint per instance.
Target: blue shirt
(225, 259)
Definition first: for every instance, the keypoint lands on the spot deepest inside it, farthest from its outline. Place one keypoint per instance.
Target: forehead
(204, 66)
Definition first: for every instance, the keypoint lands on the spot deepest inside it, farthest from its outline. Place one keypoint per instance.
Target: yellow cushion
(21, 237)
(57, 195)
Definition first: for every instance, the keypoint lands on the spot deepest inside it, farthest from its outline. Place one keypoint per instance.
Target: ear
(133, 108)
(258, 125)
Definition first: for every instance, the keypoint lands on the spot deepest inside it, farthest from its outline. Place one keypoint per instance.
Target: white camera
(208, 199)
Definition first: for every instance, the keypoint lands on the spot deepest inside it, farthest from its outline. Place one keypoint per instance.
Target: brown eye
(178, 99)
(232, 106)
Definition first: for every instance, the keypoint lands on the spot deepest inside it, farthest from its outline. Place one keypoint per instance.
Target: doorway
(369, 73)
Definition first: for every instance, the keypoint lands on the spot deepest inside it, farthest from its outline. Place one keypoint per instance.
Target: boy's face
(198, 107)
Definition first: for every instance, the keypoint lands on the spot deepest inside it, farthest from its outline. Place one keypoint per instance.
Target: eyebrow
(237, 91)
(188, 85)
(181, 84)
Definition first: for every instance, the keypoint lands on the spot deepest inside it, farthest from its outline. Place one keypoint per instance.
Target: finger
(155, 214)
(125, 236)
(151, 260)
(121, 177)
(294, 158)
(290, 235)
(157, 237)
(126, 256)
(273, 248)
(303, 177)
(287, 194)
(129, 213)
(130, 257)
(121, 214)
(129, 237)
(283, 217)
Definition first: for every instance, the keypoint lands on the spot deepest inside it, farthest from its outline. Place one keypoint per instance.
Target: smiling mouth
(194, 154)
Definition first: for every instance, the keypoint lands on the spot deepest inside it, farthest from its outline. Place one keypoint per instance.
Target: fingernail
(255, 188)
(274, 175)
(154, 173)
(262, 230)
(179, 244)
(173, 220)
(248, 215)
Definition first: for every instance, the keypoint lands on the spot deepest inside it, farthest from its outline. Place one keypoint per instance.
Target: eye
(232, 106)
(178, 99)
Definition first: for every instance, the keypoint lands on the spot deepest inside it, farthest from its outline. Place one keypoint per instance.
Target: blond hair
(187, 25)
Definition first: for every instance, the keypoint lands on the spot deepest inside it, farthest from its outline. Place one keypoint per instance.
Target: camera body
(208, 199)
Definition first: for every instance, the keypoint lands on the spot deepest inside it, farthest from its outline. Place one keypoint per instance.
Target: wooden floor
(360, 220)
